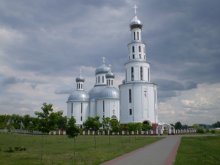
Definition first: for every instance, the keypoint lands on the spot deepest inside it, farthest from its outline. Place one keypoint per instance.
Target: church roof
(102, 69)
(78, 95)
(135, 23)
(104, 92)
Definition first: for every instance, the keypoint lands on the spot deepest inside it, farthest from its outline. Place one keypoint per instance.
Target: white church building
(135, 100)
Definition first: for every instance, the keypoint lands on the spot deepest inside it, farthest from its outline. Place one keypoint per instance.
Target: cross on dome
(103, 60)
(80, 72)
(135, 9)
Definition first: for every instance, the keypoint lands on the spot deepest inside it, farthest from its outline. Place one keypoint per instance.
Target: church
(135, 100)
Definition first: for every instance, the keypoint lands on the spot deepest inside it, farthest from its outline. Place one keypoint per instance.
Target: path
(162, 152)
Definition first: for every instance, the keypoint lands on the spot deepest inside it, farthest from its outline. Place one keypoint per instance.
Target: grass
(45, 149)
(199, 151)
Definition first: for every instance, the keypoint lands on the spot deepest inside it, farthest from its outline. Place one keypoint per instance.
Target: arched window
(132, 74)
(130, 111)
(137, 35)
(133, 49)
(130, 97)
(141, 73)
(139, 48)
(134, 36)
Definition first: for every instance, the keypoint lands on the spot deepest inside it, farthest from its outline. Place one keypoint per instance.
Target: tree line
(47, 120)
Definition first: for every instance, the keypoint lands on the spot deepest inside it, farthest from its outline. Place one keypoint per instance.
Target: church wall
(111, 107)
(92, 108)
(142, 105)
(79, 110)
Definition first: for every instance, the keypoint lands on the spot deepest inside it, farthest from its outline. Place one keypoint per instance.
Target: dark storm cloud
(171, 88)
(60, 36)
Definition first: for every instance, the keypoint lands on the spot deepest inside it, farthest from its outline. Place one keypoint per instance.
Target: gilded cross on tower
(135, 9)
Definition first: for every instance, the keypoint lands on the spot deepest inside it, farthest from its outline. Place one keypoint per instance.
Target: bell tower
(138, 95)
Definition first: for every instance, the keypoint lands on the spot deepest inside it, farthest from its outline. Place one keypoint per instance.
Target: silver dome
(110, 75)
(102, 69)
(135, 23)
(78, 95)
(104, 92)
(80, 79)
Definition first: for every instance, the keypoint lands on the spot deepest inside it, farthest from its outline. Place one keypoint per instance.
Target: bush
(213, 131)
(10, 149)
(200, 130)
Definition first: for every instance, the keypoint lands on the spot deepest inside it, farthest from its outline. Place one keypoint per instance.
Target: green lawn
(63, 150)
(199, 151)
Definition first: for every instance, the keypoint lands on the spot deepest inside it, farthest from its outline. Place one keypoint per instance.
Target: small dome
(80, 79)
(78, 95)
(135, 23)
(110, 75)
(102, 92)
(102, 69)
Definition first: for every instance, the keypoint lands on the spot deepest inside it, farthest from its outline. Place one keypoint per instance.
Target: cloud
(43, 44)
(198, 105)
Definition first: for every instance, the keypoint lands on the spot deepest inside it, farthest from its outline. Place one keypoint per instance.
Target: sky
(45, 43)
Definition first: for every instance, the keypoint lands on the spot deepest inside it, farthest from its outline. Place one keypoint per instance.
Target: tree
(216, 125)
(115, 125)
(178, 125)
(106, 123)
(48, 120)
(134, 126)
(146, 126)
(72, 130)
(92, 123)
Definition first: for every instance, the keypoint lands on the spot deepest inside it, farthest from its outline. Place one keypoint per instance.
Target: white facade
(102, 100)
(138, 96)
(136, 99)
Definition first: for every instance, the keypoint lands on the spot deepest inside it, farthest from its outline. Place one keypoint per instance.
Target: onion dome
(104, 92)
(78, 95)
(80, 79)
(110, 75)
(102, 69)
(135, 23)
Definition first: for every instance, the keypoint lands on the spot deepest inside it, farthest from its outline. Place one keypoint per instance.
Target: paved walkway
(162, 152)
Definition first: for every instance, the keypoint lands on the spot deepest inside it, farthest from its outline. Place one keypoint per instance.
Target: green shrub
(200, 130)
(213, 131)
(10, 149)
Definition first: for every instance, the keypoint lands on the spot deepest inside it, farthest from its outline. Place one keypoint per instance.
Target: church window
(103, 104)
(133, 56)
(130, 111)
(137, 35)
(102, 79)
(98, 79)
(81, 118)
(139, 48)
(134, 36)
(141, 72)
(81, 108)
(130, 97)
(139, 55)
(112, 82)
(133, 49)
(132, 74)
(71, 109)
